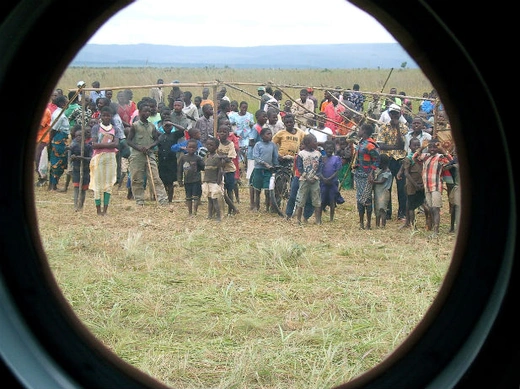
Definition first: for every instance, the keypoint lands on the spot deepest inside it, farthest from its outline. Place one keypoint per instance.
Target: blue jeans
(308, 210)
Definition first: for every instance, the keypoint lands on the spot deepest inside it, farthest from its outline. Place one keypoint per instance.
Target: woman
(103, 165)
(366, 161)
(59, 139)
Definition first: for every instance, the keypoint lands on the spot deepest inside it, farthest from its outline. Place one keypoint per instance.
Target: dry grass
(252, 302)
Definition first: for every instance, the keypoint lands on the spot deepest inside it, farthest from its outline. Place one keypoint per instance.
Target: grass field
(252, 302)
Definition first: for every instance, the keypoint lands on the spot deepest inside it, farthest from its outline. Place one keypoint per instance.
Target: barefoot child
(434, 162)
(329, 183)
(414, 186)
(310, 165)
(188, 175)
(80, 160)
(265, 155)
(211, 185)
(103, 165)
(227, 151)
(382, 184)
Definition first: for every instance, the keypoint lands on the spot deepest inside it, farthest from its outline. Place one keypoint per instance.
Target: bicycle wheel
(280, 193)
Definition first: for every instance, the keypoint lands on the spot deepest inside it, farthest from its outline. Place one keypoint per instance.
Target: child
(80, 166)
(329, 182)
(193, 133)
(254, 137)
(454, 195)
(265, 155)
(103, 165)
(308, 209)
(211, 185)
(382, 184)
(414, 185)
(227, 151)
(189, 176)
(310, 164)
(434, 162)
(167, 158)
(236, 142)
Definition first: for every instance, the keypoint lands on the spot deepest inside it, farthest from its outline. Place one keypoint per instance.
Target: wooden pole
(82, 148)
(150, 178)
(215, 111)
(62, 112)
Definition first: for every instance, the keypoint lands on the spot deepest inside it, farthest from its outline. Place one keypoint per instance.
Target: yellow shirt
(288, 144)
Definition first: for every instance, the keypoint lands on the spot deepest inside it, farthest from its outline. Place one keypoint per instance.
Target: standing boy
(227, 151)
(309, 163)
(382, 184)
(265, 156)
(80, 160)
(211, 184)
(188, 175)
(143, 137)
(434, 162)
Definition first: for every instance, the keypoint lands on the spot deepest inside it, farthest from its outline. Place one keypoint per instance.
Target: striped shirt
(432, 170)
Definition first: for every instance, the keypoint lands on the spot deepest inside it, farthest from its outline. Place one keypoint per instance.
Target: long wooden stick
(61, 113)
(389, 74)
(150, 178)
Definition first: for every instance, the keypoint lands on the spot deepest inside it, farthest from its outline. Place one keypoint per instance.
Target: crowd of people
(344, 141)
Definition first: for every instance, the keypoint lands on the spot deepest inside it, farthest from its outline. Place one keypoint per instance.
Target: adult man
(174, 94)
(311, 96)
(391, 99)
(303, 108)
(385, 115)
(143, 137)
(357, 98)
(156, 92)
(264, 96)
(95, 94)
(417, 131)
(180, 120)
(190, 109)
(206, 99)
(391, 138)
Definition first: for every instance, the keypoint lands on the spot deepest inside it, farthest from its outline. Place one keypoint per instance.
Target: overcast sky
(241, 23)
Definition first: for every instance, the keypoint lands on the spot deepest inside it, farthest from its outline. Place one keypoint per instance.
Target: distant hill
(345, 56)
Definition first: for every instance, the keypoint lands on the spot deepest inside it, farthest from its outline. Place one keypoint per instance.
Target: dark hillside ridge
(344, 56)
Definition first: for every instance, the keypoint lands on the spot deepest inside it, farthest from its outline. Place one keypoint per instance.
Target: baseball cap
(394, 107)
(261, 88)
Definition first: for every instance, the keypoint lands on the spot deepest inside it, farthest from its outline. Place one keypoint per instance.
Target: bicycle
(280, 187)
(242, 158)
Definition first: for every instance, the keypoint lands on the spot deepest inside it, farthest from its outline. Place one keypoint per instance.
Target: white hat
(394, 107)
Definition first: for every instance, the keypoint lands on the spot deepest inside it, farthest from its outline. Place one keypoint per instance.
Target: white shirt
(191, 110)
(423, 136)
(321, 134)
(385, 118)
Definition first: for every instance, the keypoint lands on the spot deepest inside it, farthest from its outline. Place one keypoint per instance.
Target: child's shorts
(193, 190)
(260, 178)
(434, 199)
(211, 190)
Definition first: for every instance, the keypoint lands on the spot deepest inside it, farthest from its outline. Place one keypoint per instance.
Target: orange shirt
(207, 102)
(45, 124)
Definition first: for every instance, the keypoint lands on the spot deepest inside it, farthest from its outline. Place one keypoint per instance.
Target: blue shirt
(265, 152)
(176, 148)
